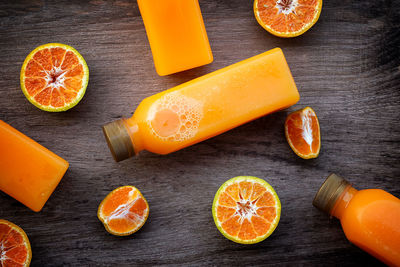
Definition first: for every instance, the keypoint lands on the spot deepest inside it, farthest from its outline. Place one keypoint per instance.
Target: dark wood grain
(347, 67)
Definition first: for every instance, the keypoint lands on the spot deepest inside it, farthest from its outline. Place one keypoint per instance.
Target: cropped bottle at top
(205, 107)
(370, 218)
(176, 32)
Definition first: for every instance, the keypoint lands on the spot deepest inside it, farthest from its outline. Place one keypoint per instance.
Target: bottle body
(371, 221)
(209, 105)
(177, 36)
(370, 218)
(28, 171)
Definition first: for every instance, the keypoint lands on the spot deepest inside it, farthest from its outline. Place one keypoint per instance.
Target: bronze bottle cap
(118, 140)
(329, 193)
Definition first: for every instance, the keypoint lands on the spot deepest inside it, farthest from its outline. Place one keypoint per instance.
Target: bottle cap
(329, 193)
(118, 140)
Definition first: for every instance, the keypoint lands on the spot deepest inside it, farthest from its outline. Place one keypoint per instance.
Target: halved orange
(15, 249)
(303, 134)
(124, 211)
(54, 77)
(287, 18)
(246, 209)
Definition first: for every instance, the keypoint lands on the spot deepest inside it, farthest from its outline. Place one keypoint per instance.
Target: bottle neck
(343, 201)
(134, 133)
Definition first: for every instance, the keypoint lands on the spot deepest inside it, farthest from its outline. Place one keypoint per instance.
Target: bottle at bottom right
(370, 218)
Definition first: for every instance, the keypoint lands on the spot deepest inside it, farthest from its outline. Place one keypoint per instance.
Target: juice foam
(175, 117)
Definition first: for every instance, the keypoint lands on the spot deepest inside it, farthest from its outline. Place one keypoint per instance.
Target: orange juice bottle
(29, 172)
(205, 107)
(176, 32)
(370, 218)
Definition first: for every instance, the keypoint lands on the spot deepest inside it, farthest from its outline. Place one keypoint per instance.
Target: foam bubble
(189, 113)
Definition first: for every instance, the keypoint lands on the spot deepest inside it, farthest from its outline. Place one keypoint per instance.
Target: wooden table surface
(347, 67)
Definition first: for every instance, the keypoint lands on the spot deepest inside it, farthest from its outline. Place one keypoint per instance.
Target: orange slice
(246, 209)
(302, 133)
(287, 18)
(15, 249)
(124, 211)
(54, 77)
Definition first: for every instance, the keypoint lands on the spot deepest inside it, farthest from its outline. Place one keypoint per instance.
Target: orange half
(303, 134)
(15, 249)
(54, 77)
(124, 211)
(246, 209)
(287, 18)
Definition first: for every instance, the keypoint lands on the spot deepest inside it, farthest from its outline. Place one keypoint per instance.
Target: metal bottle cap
(118, 140)
(329, 193)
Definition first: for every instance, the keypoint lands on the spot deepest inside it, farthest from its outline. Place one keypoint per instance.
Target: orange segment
(246, 188)
(57, 99)
(303, 133)
(48, 71)
(260, 225)
(251, 215)
(77, 72)
(232, 226)
(224, 213)
(43, 57)
(247, 231)
(258, 190)
(15, 249)
(267, 213)
(266, 200)
(34, 85)
(34, 69)
(226, 200)
(233, 191)
(124, 211)
(44, 96)
(287, 18)
(57, 56)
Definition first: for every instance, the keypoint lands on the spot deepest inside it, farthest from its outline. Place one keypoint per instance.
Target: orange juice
(370, 218)
(28, 171)
(176, 32)
(205, 107)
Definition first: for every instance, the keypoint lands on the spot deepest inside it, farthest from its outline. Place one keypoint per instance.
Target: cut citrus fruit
(287, 18)
(124, 211)
(246, 209)
(302, 133)
(15, 249)
(54, 77)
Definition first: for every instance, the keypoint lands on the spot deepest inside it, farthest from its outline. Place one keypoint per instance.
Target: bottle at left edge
(29, 172)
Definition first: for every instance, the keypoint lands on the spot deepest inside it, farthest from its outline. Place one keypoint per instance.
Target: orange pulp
(15, 249)
(371, 220)
(287, 18)
(177, 36)
(124, 211)
(246, 209)
(303, 134)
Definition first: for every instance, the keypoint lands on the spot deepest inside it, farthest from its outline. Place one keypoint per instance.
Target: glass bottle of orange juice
(205, 107)
(370, 218)
(177, 36)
